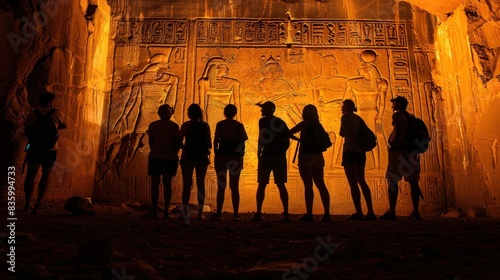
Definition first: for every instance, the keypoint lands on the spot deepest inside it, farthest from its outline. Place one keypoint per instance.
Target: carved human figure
(369, 92)
(279, 91)
(216, 90)
(276, 89)
(148, 89)
(328, 92)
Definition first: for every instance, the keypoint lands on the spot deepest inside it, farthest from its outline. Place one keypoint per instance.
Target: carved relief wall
(293, 63)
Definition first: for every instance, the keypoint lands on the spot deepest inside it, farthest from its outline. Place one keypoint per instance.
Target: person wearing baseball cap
(402, 163)
(273, 145)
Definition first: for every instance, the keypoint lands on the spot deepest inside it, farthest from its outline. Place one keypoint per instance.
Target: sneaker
(236, 218)
(326, 218)
(306, 218)
(414, 216)
(286, 218)
(370, 217)
(356, 217)
(257, 217)
(216, 217)
(200, 216)
(388, 216)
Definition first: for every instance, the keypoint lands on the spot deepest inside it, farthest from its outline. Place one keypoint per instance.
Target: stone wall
(61, 46)
(467, 70)
(291, 52)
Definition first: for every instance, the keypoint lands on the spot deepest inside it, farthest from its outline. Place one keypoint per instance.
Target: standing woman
(195, 136)
(311, 161)
(229, 147)
(354, 160)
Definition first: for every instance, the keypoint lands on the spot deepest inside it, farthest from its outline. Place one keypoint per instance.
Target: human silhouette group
(194, 138)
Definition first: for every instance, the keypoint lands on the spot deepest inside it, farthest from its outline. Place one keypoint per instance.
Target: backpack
(43, 133)
(418, 135)
(196, 147)
(323, 138)
(367, 139)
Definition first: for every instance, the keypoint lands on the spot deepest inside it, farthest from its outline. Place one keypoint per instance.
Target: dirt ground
(119, 244)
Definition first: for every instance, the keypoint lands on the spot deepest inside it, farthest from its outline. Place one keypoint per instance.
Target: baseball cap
(267, 105)
(400, 100)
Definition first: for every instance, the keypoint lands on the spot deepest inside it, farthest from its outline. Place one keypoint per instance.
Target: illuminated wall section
(467, 65)
(292, 62)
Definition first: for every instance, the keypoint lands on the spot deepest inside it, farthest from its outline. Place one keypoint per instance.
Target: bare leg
(393, 195)
(221, 188)
(235, 193)
(261, 189)
(201, 172)
(318, 176)
(307, 179)
(415, 194)
(187, 182)
(351, 174)
(284, 197)
(42, 186)
(167, 191)
(155, 192)
(365, 188)
(29, 183)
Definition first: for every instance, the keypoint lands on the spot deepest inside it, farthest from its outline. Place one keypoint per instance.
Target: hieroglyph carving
(304, 33)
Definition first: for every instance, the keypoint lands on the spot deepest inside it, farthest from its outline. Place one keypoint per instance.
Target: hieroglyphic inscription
(400, 72)
(266, 32)
(309, 33)
(153, 32)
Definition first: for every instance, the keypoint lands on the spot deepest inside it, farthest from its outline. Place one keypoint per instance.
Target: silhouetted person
(311, 161)
(354, 161)
(164, 142)
(41, 129)
(197, 143)
(273, 145)
(229, 147)
(402, 162)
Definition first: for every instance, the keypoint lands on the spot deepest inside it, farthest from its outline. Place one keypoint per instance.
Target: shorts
(403, 164)
(276, 164)
(228, 162)
(311, 160)
(354, 158)
(47, 158)
(165, 167)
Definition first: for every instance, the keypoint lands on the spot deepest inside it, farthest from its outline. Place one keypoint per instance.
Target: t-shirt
(349, 129)
(273, 136)
(198, 141)
(229, 139)
(57, 118)
(164, 139)
(309, 134)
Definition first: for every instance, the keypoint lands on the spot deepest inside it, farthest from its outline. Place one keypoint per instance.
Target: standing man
(273, 145)
(402, 161)
(165, 142)
(41, 128)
